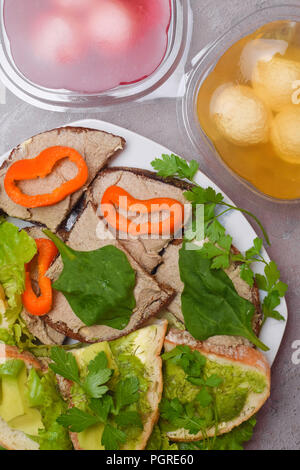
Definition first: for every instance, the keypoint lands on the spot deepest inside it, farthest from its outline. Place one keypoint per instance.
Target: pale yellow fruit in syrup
(240, 116)
(274, 81)
(285, 134)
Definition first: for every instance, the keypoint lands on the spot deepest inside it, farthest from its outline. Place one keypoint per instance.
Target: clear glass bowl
(64, 100)
(200, 68)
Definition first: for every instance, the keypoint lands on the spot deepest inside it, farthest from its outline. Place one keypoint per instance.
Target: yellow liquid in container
(249, 107)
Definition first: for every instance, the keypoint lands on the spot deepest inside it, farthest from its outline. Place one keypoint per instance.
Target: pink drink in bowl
(87, 46)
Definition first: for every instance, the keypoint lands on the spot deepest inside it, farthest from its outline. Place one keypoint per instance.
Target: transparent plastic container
(198, 70)
(65, 100)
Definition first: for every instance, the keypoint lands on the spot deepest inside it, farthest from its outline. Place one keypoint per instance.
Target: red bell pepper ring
(39, 167)
(115, 196)
(42, 304)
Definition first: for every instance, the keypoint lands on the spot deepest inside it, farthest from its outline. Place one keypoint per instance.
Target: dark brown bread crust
(180, 184)
(64, 329)
(74, 129)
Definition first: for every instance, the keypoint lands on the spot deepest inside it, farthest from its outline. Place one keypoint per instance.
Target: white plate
(138, 153)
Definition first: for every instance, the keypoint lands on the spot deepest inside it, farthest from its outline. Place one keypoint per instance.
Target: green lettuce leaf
(6, 337)
(12, 281)
(43, 394)
(35, 389)
(17, 335)
(21, 335)
(16, 249)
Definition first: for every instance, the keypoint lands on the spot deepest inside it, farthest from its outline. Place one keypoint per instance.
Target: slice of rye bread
(148, 344)
(169, 269)
(141, 184)
(150, 296)
(227, 354)
(96, 147)
(36, 325)
(12, 439)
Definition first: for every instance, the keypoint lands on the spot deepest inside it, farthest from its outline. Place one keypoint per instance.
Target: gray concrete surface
(278, 423)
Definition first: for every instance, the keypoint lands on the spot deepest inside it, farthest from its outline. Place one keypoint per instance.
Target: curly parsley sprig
(99, 374)
(174, 166)
(218, 248)
(102, 407)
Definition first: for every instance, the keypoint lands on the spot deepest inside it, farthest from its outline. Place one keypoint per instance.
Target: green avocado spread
(228, 398)
(129, 364)
(125, 364)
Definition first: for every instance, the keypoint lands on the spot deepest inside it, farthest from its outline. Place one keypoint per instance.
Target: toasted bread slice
(228, 354)
(150, 296)
(95, 146)
(13, 439)
(141, 184)
(146, 345)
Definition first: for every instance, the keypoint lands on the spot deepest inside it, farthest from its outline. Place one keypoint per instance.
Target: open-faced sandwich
(136, 268)
(30, 404)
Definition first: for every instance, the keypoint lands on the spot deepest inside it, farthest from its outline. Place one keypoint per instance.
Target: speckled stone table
(278, 423)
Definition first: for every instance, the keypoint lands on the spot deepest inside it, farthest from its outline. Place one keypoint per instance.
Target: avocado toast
(134, 390)
(30, 404)
(230, 386)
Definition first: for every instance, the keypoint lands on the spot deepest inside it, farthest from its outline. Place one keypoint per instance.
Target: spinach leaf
(210, 303)
(97, 284)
